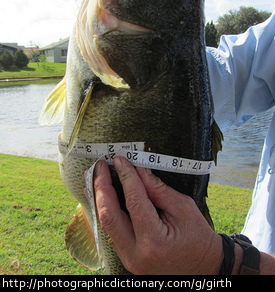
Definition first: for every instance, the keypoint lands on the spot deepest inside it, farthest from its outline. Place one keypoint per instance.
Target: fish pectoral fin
(79, 118)
(53, 109)
(80, 241)
(217, 138)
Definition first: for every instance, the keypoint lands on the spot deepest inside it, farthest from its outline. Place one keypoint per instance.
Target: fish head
(130, 44)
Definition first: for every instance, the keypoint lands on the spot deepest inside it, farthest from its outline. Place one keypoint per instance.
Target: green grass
(228, 207)
(33, 71)
(32, 240)
(32, 237)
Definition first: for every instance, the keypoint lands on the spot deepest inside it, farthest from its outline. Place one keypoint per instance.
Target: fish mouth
(95, 19)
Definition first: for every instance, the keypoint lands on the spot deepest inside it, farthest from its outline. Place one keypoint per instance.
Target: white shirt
(242, 75)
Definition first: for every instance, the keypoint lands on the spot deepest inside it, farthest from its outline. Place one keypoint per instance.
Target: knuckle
(132, 203)
(98, 184)
(159, 185)
(106, 219)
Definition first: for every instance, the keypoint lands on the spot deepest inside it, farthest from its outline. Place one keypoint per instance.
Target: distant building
(10, 47)
(56, 52)
(31, 52)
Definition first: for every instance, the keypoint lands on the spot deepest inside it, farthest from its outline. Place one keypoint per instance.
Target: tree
(226, 24)
(211, 35)
(6, 60)
(34, 57)
(236, 22)
(42, 59)
(20, 59)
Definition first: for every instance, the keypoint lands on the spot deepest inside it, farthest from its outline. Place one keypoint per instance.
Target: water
(20, 134)
(242, 148)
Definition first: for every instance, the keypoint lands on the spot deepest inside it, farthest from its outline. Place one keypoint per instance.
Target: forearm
(267, 263)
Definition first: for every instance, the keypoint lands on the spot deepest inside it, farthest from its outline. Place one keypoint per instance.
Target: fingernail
(149, 171)
(98, 168)
(118, 164)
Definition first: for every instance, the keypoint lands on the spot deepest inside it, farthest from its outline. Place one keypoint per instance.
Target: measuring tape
(134, 152)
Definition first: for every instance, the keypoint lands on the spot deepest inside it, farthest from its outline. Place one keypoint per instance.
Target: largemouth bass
(136, 71)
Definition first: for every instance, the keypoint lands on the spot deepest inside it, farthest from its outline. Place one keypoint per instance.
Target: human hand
(178, 240)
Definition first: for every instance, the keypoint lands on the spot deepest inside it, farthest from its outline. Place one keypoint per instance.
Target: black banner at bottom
(159, 283)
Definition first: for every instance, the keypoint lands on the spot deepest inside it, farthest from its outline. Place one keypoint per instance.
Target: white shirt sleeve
(242, 74)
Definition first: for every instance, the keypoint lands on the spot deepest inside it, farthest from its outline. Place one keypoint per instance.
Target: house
(56, 52)
(10, 47)
(32, 53)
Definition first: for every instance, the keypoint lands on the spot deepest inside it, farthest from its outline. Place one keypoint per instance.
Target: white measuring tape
(134, 152)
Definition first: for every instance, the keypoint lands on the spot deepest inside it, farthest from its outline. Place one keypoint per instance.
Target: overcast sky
(43, 22)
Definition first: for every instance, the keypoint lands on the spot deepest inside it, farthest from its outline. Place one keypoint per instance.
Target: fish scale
(134, 73)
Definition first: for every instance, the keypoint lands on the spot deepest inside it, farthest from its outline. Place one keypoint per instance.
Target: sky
(40, 22)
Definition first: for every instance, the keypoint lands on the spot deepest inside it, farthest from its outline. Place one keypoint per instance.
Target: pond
(20, 134)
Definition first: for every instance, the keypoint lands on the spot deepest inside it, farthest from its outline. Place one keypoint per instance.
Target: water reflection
(20, 134)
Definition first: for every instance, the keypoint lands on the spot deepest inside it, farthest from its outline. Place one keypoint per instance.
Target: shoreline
(29, 78)
(4, 83)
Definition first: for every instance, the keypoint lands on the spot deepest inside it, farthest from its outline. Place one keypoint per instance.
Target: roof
(12, 46)
(54, 45)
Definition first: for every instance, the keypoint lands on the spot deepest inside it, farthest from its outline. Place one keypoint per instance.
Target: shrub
(20, 59)
(6, 60)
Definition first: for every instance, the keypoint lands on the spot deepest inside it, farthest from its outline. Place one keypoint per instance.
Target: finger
(143, 213)
(113, 220)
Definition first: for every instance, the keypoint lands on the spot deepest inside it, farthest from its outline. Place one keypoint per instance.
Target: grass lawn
(33, 71)
(36, 207)
(35, 210)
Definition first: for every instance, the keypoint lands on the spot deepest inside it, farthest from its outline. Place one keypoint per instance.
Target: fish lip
(128, 26)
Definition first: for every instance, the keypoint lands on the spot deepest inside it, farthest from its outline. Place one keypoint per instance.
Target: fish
(136, 71)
